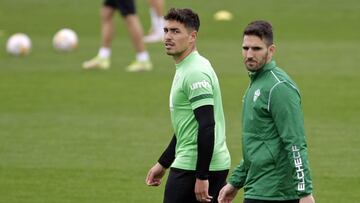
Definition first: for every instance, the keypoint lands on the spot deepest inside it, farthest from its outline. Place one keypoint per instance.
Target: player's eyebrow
(254, 48)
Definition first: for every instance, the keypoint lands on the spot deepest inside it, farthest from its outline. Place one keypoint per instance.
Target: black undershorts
(126, 7)
(180, 185)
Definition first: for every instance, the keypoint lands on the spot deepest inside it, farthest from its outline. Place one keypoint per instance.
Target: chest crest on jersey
(256, 95)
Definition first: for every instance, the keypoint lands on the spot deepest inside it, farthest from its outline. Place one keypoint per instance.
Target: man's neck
(184, 55)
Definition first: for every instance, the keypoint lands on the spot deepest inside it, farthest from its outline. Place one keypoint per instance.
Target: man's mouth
(250, 61)
(169, 45)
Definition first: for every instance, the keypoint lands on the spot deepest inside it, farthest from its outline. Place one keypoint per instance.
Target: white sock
(104, 52)
(142, 56)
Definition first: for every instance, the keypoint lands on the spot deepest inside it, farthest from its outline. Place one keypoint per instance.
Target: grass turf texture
(68, 135)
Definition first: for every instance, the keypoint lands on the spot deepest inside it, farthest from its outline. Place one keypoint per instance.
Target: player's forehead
(253, 40)
(173, 24)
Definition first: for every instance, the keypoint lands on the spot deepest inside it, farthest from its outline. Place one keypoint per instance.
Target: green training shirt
(195, 84)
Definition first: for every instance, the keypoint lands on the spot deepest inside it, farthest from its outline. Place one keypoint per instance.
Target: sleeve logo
(201, 84)
(299, 168)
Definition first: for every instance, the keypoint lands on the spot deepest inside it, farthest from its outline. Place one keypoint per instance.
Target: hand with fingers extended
(155, 174)
(227, 194)
(202, 191)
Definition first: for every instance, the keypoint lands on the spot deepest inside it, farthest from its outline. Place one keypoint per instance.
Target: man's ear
(193, 36)
(272, 49)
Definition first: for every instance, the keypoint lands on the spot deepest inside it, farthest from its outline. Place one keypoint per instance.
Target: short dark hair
(185, 16)
(261, 29)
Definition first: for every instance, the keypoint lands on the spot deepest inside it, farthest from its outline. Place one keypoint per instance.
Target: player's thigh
(180, 187)
(110, 3)
(125, 7)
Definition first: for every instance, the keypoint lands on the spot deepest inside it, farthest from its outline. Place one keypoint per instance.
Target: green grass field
(67, 135)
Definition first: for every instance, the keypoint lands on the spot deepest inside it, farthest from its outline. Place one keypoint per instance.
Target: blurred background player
(128, 12)
(156, 33)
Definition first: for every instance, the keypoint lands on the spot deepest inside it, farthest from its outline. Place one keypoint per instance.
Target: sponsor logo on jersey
(201, 84)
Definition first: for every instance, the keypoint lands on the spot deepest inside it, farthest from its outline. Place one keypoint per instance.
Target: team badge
(256, 94)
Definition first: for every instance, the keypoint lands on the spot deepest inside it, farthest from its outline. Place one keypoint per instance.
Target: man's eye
(245, 48)
(256, 48)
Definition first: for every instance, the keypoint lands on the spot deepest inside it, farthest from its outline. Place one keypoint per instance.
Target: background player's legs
(107, 26)
(134, 27)
(135, 30)
(156, 33)
(102, 60)
(157, 6)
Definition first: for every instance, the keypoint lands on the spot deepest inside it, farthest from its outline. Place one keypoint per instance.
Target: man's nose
(167, 35)
(249, 53)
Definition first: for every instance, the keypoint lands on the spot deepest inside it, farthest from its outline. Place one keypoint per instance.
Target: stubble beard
(261, 63)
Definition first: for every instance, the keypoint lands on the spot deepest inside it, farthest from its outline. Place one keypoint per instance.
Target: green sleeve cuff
(235, 184)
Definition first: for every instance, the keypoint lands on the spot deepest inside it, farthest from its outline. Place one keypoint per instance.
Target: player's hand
(307, 199)
(155, 174)
(227, 194)
(202, 191)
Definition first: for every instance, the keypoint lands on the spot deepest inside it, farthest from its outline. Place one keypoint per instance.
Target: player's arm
(156, 173)
(236, 181)
(168, 156)
(285, 107)
(198, 87)
(238, 176)
(205, 140)
(205, 144)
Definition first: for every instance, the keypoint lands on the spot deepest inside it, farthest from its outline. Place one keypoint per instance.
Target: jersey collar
(186, 59)
(267, 67)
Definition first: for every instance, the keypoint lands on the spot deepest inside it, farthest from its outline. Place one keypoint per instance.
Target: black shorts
(267, 201)
(180, 185)
(126, 7)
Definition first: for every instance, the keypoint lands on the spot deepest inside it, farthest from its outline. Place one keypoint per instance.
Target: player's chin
(252, 66)
(169, 52)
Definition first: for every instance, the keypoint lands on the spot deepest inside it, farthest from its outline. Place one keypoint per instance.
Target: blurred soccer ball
(18, 44)
(65, 40)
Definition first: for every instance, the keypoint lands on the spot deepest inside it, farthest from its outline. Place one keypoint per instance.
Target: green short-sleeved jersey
(195, 84)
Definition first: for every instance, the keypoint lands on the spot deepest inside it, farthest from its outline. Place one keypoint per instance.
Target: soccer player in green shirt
(275, 164)
(197, 154)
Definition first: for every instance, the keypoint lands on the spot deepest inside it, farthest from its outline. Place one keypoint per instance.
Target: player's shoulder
(200, 59)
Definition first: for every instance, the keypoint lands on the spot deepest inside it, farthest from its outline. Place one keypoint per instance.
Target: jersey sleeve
(287, 113)
(238, 176)
(198, 87)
